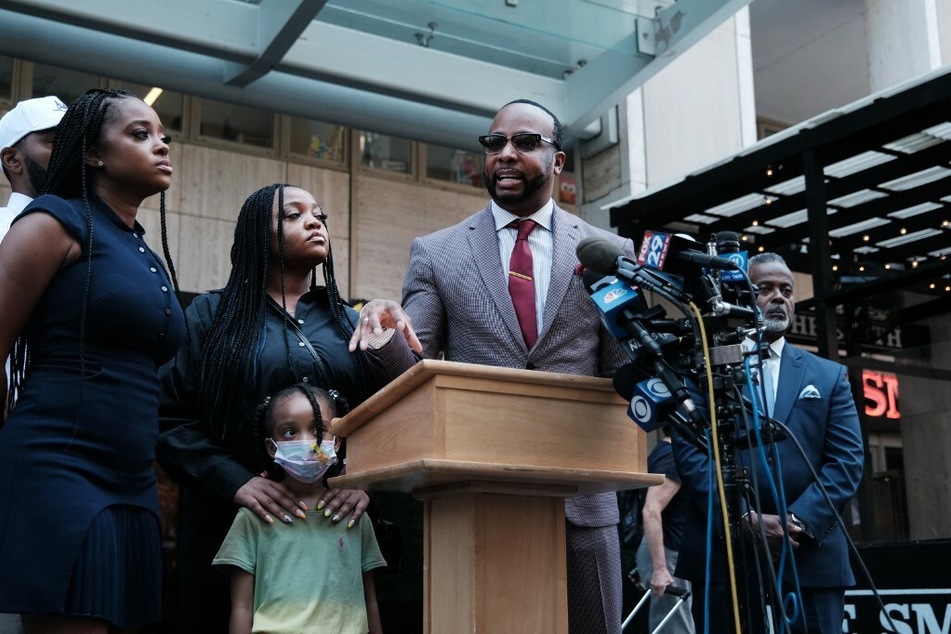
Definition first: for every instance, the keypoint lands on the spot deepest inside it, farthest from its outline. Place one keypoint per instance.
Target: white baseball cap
(30, 115)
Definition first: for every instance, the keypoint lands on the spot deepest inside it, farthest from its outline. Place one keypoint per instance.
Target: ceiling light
(153, 96)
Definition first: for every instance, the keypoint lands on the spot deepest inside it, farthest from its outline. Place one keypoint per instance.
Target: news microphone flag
(650, 403)
(612, 299)
(741, 260)
(654, 248)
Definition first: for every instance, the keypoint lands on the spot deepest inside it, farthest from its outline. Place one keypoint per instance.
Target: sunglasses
(523, 143)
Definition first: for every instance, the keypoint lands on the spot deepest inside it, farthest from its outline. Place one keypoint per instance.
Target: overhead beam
(280, 24)
(199, 75)
(222, 29)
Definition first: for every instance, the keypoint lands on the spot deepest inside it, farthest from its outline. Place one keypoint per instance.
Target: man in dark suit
(813, 399)
(457, 295)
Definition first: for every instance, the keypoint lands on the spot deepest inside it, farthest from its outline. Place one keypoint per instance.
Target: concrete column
(903, 39)
(696, 111)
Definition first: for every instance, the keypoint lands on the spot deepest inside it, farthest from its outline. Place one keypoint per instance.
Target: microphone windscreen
(728, 242)
(598, 254)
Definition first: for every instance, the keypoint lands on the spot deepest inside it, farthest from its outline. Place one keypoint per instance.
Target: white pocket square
(809, 391)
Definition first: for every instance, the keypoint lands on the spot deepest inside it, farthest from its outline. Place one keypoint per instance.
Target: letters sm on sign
(912, 611)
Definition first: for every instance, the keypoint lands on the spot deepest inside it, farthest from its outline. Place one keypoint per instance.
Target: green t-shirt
(308, 576)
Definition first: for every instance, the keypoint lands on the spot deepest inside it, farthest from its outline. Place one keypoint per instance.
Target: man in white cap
(26, 140)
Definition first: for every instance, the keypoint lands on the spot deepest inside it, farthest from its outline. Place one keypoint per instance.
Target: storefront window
(384, 152)
(237, 124)
(319, 140)
(6, 79)
(65, 84)
(454, 166)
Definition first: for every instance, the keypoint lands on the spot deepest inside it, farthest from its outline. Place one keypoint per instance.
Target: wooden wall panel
(215, 183)
(388, 214)
(203, 261)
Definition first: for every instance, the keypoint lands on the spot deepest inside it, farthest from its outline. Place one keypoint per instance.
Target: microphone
(617, 302)
(603, 256)
(721, 308)
(651, 404)
(669, 252)
(728, 247)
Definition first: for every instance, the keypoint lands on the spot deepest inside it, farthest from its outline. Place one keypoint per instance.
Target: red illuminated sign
(881, 394)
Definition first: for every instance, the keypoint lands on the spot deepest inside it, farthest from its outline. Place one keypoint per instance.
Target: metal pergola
(858, 197)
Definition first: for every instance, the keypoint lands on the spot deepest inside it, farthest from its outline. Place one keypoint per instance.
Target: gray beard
(779, 326)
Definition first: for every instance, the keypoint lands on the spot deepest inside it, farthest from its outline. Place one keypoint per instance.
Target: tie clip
(520, 276)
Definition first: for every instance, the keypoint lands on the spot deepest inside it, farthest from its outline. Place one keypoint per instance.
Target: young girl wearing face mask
(295, 576)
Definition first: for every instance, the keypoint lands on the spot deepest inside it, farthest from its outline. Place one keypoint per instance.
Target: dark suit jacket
(457, 295)
(828, 429)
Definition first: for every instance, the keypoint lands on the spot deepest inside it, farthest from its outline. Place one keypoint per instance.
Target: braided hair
(80, 129)
(230, 355)
(264, 421)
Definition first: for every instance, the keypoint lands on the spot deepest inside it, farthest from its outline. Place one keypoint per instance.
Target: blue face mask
(305, 460)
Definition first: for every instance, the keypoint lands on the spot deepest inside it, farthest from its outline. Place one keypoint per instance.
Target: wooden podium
(493, 452)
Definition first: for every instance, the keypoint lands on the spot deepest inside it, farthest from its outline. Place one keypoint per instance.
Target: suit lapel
(485, 253)
(791, 374)
(565, 238)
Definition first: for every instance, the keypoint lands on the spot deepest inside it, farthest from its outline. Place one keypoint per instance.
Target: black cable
(840, 523)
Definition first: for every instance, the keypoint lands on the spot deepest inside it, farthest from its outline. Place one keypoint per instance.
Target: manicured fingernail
(303, 505)
(335, 518)
(350, 524)
(287, 519)
(320, 505)
(301, 514)
(268, 519)
(327, 513)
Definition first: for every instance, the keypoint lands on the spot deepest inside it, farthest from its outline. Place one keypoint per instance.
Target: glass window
(316, 139)
(380, 151)
(168, 104)
(239, 124)
(6, 79)
(454, 166)
(65, 84)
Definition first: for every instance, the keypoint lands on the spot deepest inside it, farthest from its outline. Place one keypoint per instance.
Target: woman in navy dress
(87, 313)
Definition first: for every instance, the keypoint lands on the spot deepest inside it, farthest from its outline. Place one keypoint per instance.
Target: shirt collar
(776, 346)
(18, 202)
(543, 216)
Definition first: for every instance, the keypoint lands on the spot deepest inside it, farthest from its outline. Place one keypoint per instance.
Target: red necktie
(521, 282)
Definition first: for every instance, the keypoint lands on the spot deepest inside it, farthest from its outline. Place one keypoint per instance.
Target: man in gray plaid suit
(456, 301)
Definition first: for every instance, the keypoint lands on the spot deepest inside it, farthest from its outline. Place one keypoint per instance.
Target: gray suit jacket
(457, 295)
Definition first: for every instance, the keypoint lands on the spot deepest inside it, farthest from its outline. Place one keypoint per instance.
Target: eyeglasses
(523, 143)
